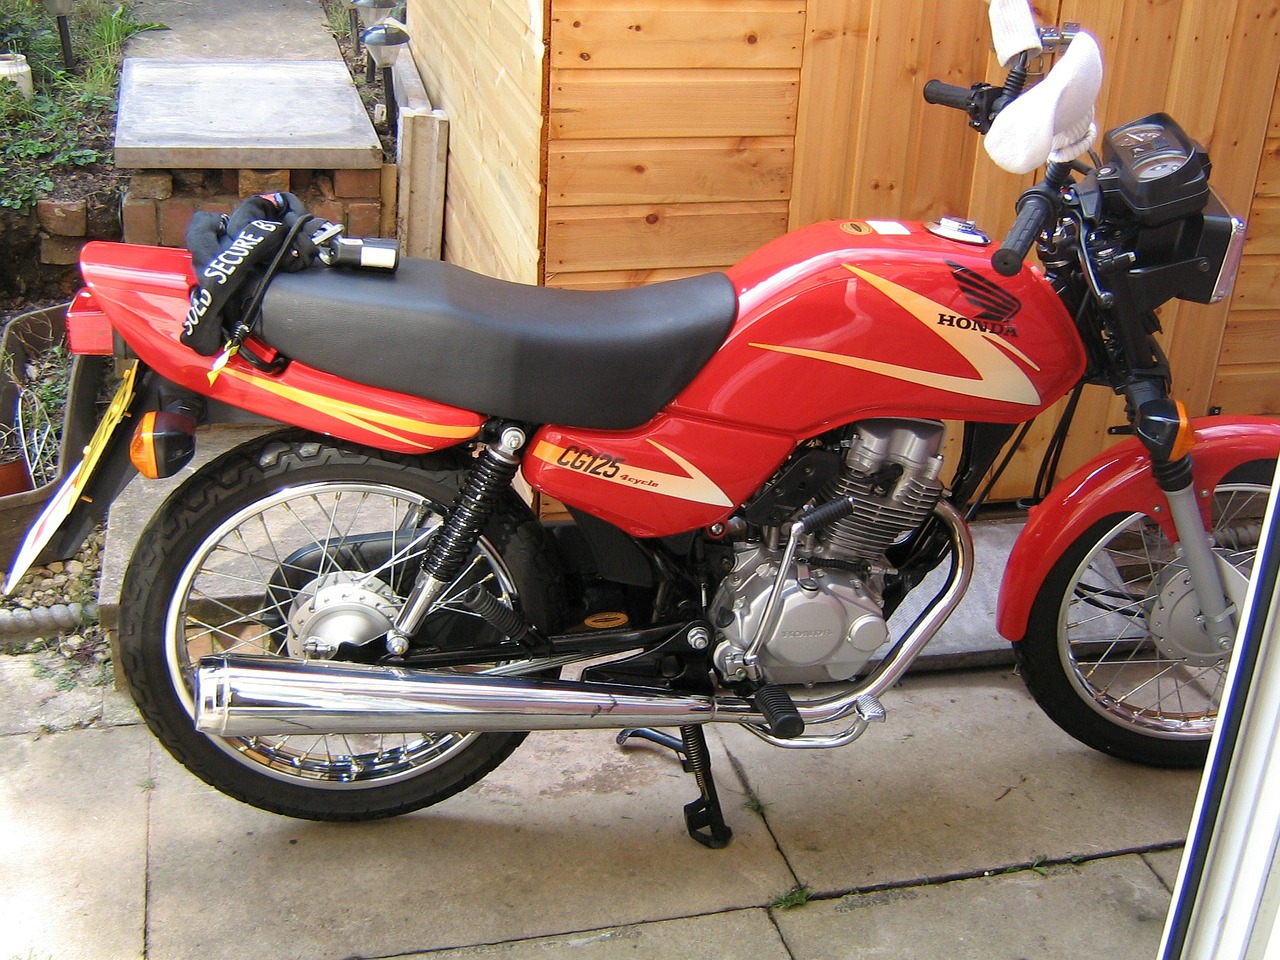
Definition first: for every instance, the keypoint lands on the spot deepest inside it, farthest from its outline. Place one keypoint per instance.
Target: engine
(832, 617)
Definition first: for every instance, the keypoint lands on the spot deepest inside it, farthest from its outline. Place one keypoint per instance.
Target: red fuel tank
(852, 319)
(837, 322)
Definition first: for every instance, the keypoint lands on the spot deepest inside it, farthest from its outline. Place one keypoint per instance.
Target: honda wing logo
(993, 302)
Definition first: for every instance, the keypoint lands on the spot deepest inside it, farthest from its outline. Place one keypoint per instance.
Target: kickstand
(703, 818)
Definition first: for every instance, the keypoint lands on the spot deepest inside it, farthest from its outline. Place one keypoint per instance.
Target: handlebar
(1035, 212)
(947, 94)
(1037, 207)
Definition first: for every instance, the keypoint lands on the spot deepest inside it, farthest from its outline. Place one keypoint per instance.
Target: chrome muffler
(258, 696)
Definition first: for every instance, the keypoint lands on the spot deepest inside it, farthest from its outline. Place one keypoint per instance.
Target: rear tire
(253, 553)
(1112, 652)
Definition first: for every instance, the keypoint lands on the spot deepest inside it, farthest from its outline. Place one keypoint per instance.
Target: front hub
(1174, 614)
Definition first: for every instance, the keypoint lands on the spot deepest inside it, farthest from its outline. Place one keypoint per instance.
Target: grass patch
(797, 896)
(68, 124)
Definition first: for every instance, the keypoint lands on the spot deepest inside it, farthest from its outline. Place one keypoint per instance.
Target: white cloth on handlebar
(1013, 29)
(1054, 119)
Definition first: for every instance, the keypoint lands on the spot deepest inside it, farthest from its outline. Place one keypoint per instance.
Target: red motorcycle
(358, 616)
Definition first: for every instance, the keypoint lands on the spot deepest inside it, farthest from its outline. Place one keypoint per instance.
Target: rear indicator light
(162, 444)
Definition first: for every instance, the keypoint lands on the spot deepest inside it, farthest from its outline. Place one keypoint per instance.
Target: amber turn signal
(1186, 438)
(163, 443)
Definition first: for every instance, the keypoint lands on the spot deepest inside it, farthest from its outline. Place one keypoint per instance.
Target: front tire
(288, 538)
(1113, 652)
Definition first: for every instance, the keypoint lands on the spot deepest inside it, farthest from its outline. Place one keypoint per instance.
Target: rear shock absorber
(452, 545)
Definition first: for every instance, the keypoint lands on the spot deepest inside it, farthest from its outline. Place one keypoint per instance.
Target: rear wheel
(285, 542)
(1114, 652)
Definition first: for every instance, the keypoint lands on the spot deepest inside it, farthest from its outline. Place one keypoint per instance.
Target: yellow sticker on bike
(73, 487)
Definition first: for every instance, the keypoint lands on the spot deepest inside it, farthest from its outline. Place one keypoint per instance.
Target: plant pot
(14, 478)
(15, 69)
(25, 337)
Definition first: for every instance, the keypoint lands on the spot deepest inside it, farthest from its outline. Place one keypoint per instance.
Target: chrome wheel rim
(243, 584)
(1116, 664)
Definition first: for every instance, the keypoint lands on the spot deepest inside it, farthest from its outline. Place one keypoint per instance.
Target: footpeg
(780, 711)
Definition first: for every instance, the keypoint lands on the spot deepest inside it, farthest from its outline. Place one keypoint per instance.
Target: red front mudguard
(1119, 480)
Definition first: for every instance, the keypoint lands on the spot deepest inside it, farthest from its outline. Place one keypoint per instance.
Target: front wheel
(1114, 652)
(289, 541)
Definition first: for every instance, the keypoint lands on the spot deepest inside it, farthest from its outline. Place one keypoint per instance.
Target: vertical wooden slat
(883, 154)
(830, 120)
(483, 64)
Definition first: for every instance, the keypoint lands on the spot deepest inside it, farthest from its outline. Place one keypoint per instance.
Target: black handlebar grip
(947, 94)
(1033, 216)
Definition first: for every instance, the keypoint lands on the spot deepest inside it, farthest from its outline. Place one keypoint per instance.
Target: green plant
(68, 123)
(797, 896)
(1039, 864)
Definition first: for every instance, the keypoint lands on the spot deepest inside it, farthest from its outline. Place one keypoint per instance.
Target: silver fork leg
(1217, 611)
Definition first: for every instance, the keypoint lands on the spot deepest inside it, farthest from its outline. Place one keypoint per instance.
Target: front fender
(1119, 480)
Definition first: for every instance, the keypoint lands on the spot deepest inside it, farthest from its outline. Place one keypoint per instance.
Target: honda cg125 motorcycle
(358, 616)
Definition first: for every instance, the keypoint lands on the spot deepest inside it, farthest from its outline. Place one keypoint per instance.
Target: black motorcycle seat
(602, 359)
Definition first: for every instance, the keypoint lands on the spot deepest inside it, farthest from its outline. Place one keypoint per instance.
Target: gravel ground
(81, 656)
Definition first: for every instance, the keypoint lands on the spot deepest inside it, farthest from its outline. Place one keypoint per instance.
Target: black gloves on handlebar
(264, 234)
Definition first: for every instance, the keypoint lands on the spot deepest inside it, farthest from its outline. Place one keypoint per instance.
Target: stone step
(223, 88)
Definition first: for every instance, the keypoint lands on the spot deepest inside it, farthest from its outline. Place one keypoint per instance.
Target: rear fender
(1119, 480)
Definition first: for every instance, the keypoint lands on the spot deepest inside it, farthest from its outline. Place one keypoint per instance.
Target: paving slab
(73, 844)
(738, 935)
(572, 833)
(965, 775)
(969, 637)
(1165, 864)
(233, 29)
(272, 114)
(1109, 908)
(41, 694)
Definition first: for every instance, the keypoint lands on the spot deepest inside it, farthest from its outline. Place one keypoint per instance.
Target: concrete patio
(966, 826)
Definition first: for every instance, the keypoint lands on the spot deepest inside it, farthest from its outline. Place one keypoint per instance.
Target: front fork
(1162, 426)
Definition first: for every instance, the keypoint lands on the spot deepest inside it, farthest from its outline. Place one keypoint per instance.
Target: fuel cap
(962, 231)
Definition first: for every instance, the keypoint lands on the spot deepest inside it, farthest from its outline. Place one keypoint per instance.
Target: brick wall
(159, 204)
(65, 225)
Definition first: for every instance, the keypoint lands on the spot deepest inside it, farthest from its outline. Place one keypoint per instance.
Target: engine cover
(829, 625)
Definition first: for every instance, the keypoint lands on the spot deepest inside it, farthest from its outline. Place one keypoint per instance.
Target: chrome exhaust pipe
(257, 696)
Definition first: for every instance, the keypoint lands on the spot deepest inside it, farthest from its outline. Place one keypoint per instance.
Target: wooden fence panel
(653, 237)
(671, 128)
(669, 170)
(655, 34)
(640, 104)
